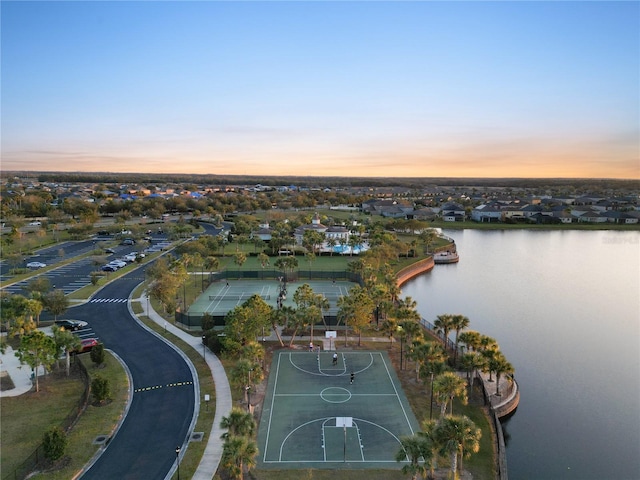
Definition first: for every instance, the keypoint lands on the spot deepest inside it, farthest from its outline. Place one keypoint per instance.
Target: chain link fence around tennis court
(193, 321)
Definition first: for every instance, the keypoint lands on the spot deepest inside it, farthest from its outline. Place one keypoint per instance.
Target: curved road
(163, 401)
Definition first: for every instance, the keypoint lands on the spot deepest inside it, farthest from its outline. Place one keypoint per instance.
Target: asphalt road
(163, 401)
(164, 396)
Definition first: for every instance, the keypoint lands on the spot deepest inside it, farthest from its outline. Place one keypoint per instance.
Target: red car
(87, 344)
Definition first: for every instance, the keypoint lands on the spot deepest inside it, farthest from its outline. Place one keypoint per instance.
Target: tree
(37, 349)
(356, 308)
(457, 436)
(100, 389)
(286, 264)
(310, 305)
(470, 363)
(444, 324)
(415, 448)
(67, 342)
(54, 443)
(245, 322)
(446, 387)
(56, 302)
(429, 357)
(238, 453)
(38, 286)
(238, 423)
(458, 323)
(263, 259)
(471, 339)
(501, 366)
(239, 258)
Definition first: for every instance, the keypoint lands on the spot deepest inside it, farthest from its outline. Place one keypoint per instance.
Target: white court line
(273, 399)
(398, 396)
(277, 372)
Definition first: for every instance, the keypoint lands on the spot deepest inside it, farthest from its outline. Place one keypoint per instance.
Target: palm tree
(458, 323)
(457, 436)
(67, 342)
(428, 432)
(471, 339)
(470, 363)
(415, 448)
(429, 357)
(238, 423)
(238, 453)
(443, 326)
(500, 365)
(446, 387)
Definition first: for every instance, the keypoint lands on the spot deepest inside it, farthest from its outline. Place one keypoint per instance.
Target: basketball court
(315, 416)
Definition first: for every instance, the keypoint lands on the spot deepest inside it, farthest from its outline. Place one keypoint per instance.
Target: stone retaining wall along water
(413, 270)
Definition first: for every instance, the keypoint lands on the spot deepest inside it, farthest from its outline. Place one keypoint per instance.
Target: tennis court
(314, 417)
(222, 296)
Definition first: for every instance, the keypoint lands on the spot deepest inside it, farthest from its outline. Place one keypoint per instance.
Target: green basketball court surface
(314, 417)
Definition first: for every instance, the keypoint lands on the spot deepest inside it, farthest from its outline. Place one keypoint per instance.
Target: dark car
(109, 268)
(109, 250)
(128, 241)
(71, 324)
(86, 345)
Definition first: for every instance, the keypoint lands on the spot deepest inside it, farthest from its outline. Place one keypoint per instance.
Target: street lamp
(178, 460)
(431, 402)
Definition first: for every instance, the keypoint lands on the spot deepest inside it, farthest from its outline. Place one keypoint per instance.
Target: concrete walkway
(213, 451)
(20, 374)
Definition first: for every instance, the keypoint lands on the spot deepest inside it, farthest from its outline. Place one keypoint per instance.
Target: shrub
(97, 354)
(54, 443)
(100, 388)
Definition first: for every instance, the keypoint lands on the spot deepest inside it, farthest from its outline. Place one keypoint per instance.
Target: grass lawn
(26, 417)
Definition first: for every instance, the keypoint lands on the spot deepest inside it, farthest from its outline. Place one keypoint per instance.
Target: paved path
(20, 374)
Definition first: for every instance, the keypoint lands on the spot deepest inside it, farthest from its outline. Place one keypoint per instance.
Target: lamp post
(400, 331)
(204, 347)
(178, 460)
(431, 402)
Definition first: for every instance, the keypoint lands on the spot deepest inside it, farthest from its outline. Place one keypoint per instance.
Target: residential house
(488, 212)
(452, 212)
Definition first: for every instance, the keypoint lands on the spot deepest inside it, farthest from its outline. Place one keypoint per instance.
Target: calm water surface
(564, 307)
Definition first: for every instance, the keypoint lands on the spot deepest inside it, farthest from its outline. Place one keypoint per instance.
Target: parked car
(128, 241)
(109, 268)
(36, 265)
(103, 233)
(129, 258)
(117, 263)
(109, 250)
(86, 345)
(72, 325)
(35, 224)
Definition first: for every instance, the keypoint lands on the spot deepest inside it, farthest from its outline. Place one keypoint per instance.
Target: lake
(564, 307)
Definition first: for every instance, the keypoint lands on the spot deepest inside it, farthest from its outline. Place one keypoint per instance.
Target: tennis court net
(241, 296)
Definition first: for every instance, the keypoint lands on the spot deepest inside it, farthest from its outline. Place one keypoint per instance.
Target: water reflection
(564, 307)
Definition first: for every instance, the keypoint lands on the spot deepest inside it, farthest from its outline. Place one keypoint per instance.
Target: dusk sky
(328, 88)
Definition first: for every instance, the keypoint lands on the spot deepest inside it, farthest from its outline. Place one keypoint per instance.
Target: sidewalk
(20, 374)
(213, 451)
